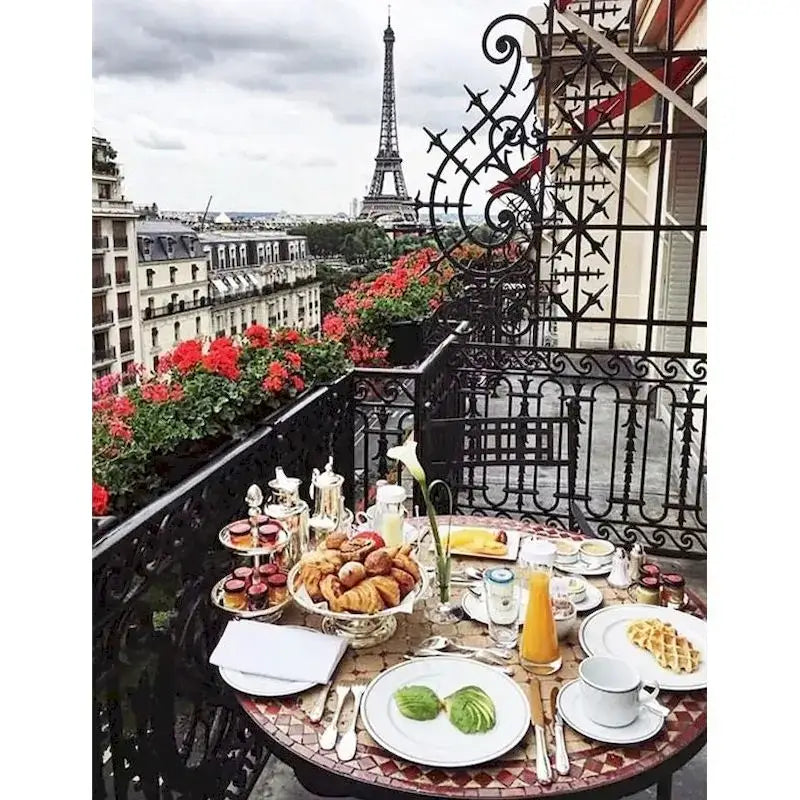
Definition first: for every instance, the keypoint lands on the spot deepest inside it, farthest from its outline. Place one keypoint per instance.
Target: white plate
(475, 607)
(605, 633)
(512, 542)
(261, 685)
(570, 706)
(437, 743)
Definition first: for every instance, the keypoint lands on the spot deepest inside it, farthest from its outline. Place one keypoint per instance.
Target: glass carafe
(390, 514)
(538, 644)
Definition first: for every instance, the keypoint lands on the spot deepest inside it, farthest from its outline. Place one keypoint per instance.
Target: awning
(221, 286)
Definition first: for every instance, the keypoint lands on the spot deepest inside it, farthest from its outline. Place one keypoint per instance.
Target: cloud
(153, 140)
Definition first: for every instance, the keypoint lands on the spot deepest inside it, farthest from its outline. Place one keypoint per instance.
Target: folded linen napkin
(293, 654)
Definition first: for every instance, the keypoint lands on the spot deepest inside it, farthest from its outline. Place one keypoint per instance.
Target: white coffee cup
(612, 691)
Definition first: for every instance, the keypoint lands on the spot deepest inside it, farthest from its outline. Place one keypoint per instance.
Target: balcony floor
(278, 781)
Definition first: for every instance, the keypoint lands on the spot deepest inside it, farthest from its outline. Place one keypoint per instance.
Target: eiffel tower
(397, 207)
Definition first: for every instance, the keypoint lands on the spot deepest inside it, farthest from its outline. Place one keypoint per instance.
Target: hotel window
(244, 318)
(151, 303)
(197, 325)
(177, 332)
(174, 299)
(196, 295)
(149, 275)
(155, 363)
(154, 337)
(194, 272)
(104, 191)
(173, 271)
(233, 319)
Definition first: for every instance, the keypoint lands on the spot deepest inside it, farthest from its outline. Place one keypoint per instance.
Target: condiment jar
(636, 560)
(650, 571)
(673, 588)
(646, 591)
(390, 513)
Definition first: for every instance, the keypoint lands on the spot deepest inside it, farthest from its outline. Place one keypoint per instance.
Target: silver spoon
(443, 643)
(468, 573)
(424, 653)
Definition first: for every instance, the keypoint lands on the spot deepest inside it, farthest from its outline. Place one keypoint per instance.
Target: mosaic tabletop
(593, 765)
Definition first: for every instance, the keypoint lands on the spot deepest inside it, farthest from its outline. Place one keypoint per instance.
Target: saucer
(570, 706)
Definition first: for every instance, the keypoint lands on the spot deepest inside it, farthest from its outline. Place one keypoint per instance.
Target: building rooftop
(245, 235)
(160, 233)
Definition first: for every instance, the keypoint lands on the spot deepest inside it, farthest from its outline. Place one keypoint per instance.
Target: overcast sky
(275, 104)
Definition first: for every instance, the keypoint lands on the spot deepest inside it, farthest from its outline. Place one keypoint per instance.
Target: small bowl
(576, 589)
(596, 552)
(566, 551)
(566, 616)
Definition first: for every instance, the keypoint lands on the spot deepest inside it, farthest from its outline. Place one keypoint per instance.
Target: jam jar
(257, 597)
(265, 570)
(673, 589)
(233, 594)
(650, 571)
(245, 574)
(277, 588)
(646, 591)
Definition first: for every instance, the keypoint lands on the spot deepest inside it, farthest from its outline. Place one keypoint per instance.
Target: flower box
(406, 342)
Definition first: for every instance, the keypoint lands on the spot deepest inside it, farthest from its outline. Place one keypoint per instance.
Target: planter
(406, 345)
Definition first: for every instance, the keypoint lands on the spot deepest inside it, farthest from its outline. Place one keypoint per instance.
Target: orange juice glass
(538, 644)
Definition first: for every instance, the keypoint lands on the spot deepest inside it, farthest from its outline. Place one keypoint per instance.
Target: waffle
(672, 651)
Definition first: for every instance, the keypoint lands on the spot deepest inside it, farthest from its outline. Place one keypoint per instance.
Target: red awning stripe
(612, 107)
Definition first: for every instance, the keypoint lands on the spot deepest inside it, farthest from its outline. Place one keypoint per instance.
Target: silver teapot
(285, 505)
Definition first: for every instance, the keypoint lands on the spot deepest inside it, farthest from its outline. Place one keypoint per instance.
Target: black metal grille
(586, 290)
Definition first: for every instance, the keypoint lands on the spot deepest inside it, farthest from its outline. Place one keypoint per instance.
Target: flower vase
(444, 610)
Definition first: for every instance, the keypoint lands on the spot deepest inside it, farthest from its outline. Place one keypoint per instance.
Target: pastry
(335, 557)
(357, 549)
(388, 589)
(672, 651)
(351, 573)
(403, 579)
(405, 563)
(335, 541)
(378, 562)
(363, 598)
(331, 588)
(311, 575)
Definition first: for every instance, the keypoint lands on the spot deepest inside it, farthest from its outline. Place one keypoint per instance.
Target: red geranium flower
(123, 407)
(120, 430)
(222, 358)
(333, 327)
(187, 355)
(99, 500)
(274, 384)
(298, 383)
(258, 336)
(277, 370)
(294, 359)
(289, 337)
(155, 392)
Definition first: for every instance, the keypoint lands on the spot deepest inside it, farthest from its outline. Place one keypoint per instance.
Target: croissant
(334, 557)
(405, 581)
(387, 588)
(331, 588)
(402, 561)
(361, 599)
(335, 541)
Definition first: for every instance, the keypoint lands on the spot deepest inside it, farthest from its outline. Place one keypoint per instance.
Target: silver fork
(327, 739)
(346, 749)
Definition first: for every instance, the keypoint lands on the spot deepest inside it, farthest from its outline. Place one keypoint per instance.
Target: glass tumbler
(502, 606)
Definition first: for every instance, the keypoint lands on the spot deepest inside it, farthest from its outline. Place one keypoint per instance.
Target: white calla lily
(406, 454)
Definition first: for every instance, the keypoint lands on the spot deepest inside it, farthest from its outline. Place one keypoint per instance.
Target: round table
(604, 771)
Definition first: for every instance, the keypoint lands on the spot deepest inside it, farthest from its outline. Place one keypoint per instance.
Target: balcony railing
(125, 312)
(101, 281)
(123, 278)
(99, 243)
(143, 647)
(108, 354)
(103, 318)
(105, 168)
(175, 308)
(120, 242)
(221, 300)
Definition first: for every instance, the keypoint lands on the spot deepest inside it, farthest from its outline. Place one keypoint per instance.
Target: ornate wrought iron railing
(164, 726)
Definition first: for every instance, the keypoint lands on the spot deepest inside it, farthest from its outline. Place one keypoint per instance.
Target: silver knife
(319, 709)
(544, 773)
(562, 759)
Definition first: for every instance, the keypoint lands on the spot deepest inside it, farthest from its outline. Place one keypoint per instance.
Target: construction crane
(205, 213)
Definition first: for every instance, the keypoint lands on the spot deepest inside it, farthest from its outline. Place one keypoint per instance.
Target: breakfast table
(596, 770)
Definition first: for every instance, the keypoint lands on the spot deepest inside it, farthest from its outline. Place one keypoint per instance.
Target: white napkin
(293, 654)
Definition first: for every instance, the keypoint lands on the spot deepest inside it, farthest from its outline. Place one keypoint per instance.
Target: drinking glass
(502, 606)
